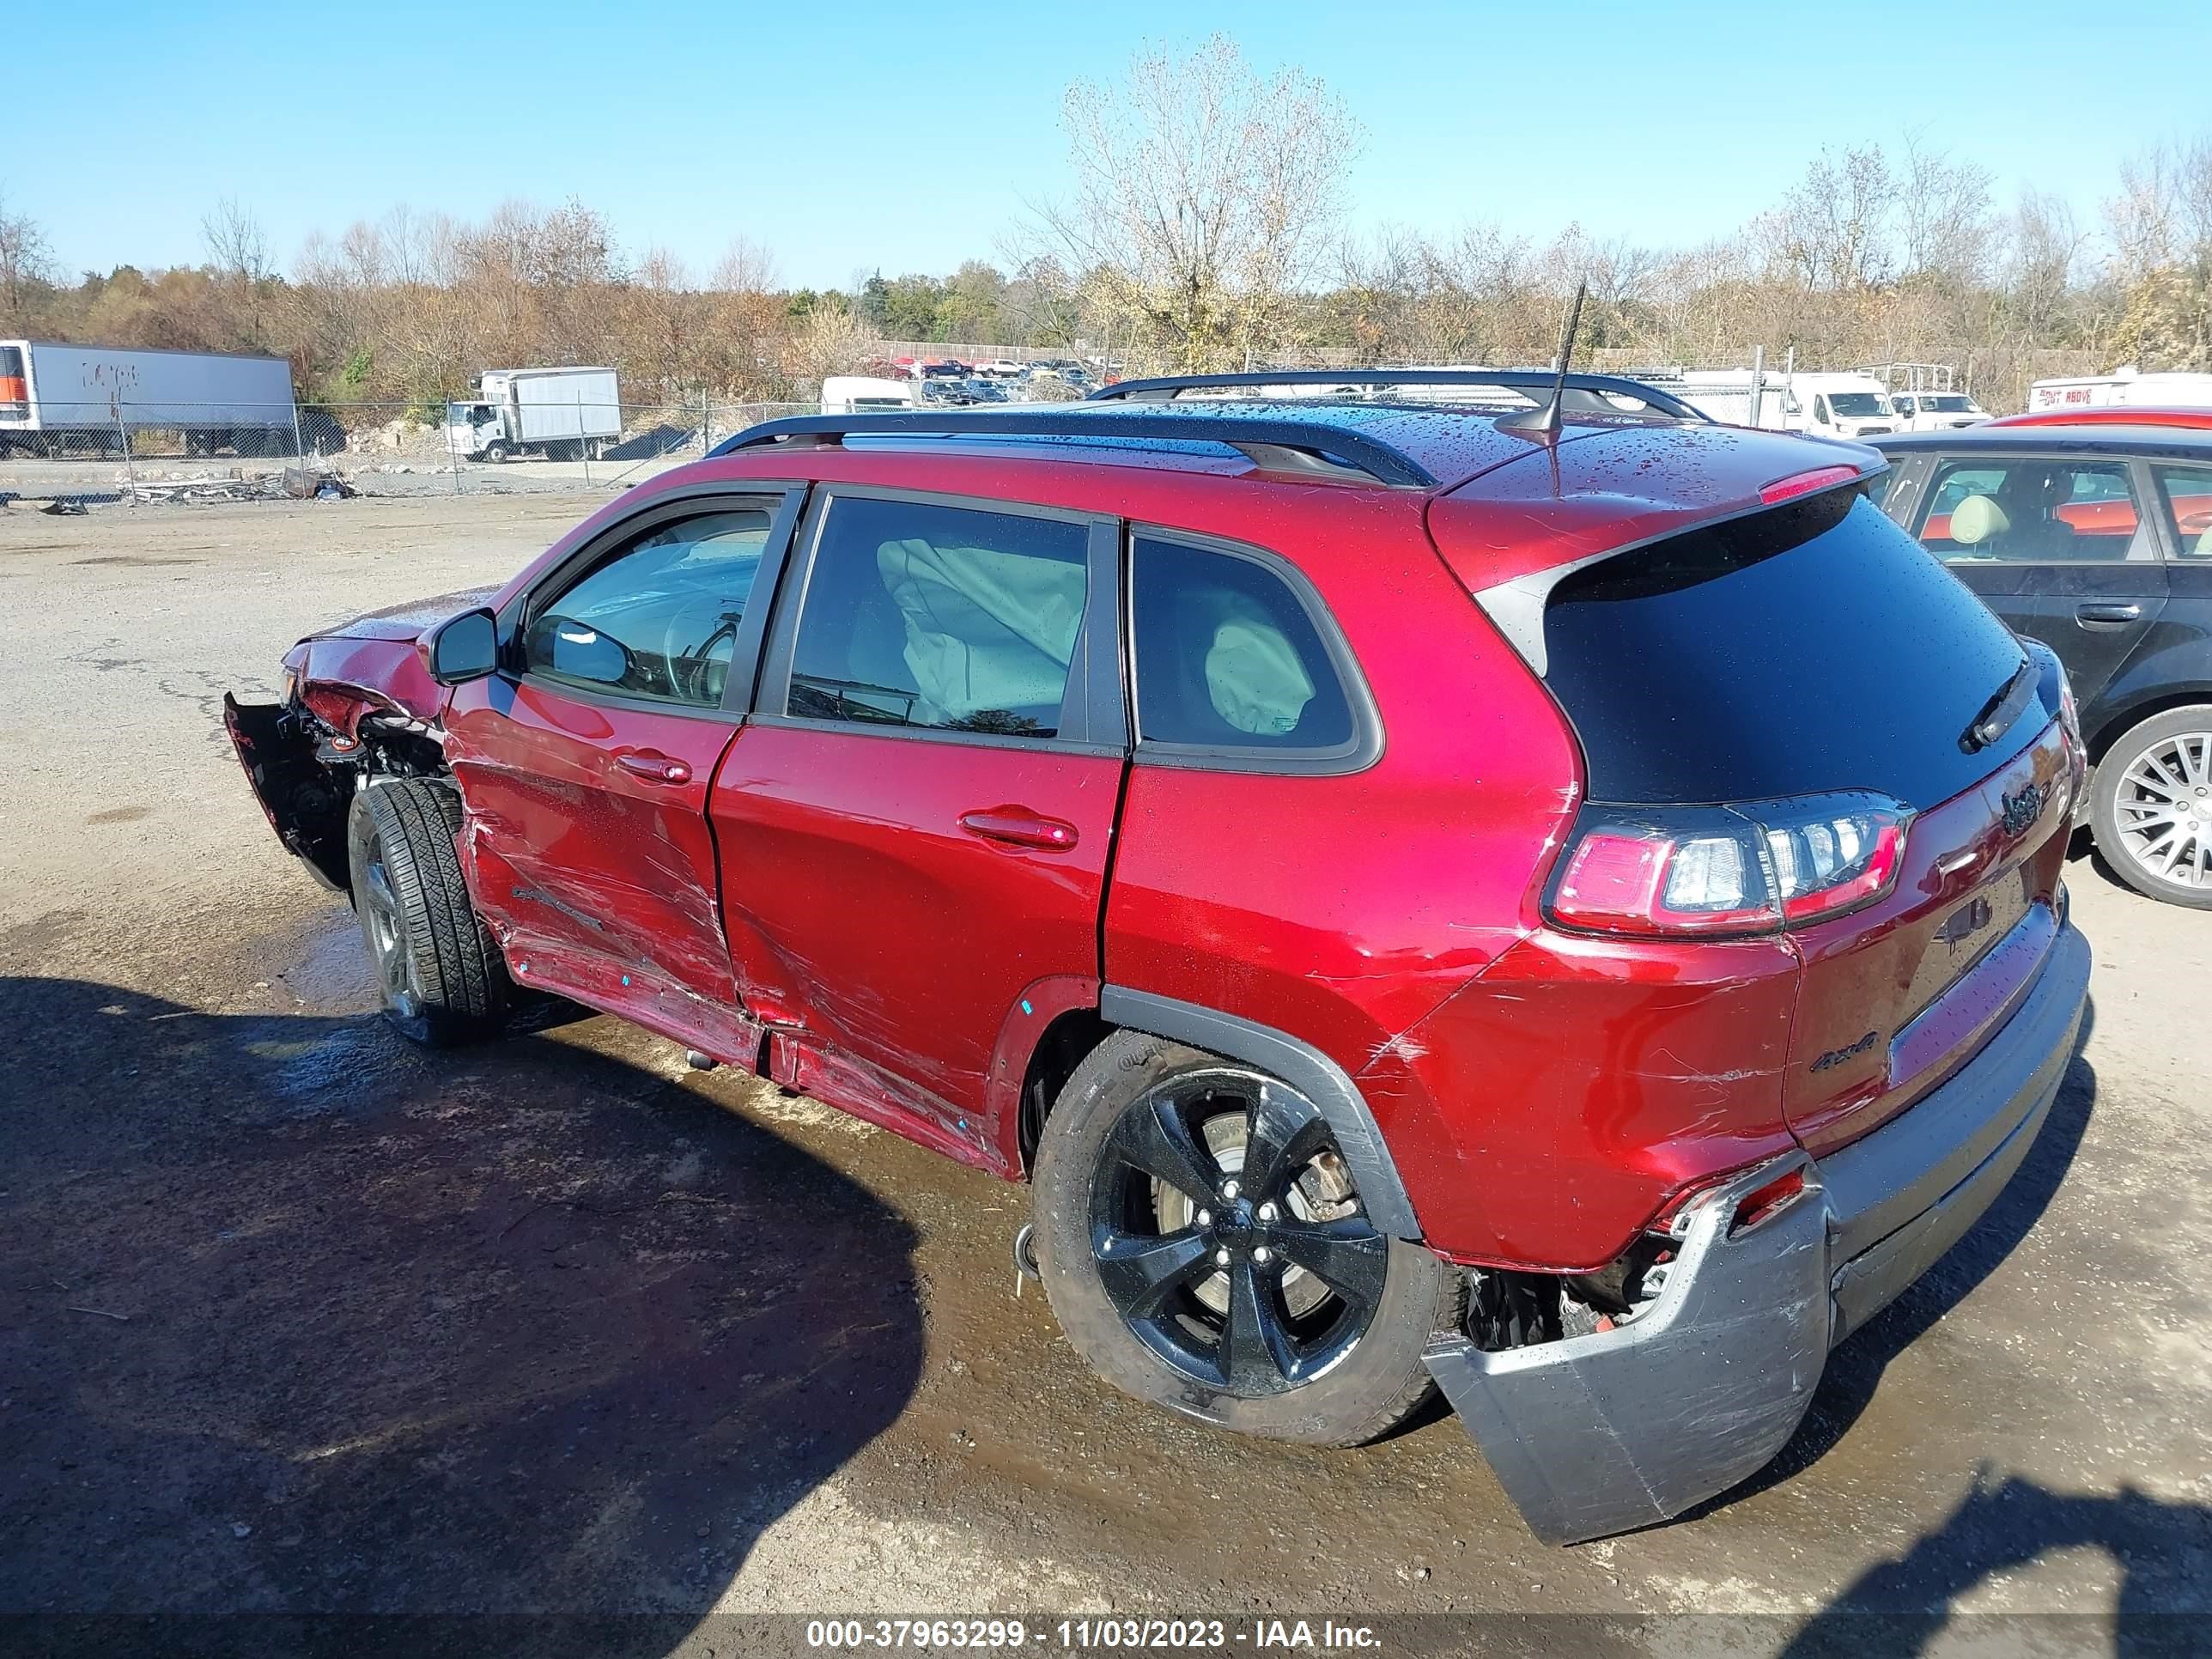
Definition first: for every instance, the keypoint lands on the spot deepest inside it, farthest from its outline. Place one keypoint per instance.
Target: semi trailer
(60, 400)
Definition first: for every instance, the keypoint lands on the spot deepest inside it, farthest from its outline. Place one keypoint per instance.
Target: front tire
(1203, 1249)
(2150, 805)
(437, 967)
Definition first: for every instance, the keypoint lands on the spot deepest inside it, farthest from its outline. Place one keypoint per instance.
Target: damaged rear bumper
(1602, 1434)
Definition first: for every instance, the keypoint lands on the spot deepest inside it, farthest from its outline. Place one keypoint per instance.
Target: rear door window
(2035, 511)
(2187, 492)
(1232, 662)
(945, 618)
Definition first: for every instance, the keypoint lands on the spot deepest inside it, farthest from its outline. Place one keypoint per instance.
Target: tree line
(1203, 227)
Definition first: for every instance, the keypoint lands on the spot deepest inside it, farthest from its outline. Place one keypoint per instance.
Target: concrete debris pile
(298, 484)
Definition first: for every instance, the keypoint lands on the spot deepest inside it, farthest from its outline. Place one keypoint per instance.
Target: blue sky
(852, 135)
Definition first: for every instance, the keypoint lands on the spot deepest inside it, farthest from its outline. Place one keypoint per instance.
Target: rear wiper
(1998, 714)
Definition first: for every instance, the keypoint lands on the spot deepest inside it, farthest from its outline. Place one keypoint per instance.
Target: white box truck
(562, 414)
(2174, 389)
(66, 400)
(863, 394)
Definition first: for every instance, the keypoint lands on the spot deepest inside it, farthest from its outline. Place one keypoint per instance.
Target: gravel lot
(294, 1321)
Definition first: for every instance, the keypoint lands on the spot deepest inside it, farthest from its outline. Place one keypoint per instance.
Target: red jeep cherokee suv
(1569, 912)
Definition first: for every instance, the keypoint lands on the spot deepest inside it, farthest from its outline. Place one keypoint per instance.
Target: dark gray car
(2098, 541)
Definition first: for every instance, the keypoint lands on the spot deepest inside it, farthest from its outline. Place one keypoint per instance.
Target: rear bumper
(1602, 1434)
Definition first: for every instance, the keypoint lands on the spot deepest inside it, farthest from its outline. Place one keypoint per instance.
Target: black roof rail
(1277, 444)
(1533, 381)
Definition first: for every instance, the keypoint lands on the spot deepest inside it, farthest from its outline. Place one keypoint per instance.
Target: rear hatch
(1796, 722)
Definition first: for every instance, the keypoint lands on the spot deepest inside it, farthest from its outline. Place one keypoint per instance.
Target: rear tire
(2150, 806)
(438, 969)
(1265, 1345)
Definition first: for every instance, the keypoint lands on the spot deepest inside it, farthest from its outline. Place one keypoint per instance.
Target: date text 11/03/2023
(1096, 1635)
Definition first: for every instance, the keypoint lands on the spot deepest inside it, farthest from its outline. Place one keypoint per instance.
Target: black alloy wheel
(1226, 1233)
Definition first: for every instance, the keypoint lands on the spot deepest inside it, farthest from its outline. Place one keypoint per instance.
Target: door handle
(653, 766)
(1017, 826)
(2103, 613)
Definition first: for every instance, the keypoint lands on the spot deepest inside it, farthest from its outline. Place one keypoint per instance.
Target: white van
(1850, 405)
(863, 394)
(1936, 411)
(1839, 405)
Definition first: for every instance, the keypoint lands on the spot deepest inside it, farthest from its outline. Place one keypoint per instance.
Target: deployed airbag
(985, 630)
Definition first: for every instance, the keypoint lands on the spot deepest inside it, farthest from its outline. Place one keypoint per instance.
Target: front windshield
(1958, 404)
(1856, 403)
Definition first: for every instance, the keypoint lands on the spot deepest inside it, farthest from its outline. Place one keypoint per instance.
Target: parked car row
(1416, 915)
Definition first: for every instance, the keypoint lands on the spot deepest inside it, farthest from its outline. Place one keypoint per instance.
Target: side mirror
(465, 648)
(578, 651)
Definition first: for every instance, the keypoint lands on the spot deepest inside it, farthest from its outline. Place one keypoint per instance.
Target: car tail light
(1728, 871)
(2069, 712)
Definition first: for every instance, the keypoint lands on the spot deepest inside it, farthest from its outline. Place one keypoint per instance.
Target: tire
(437, 967)
(1355, 1370)
(495, 453)
(2167, 758)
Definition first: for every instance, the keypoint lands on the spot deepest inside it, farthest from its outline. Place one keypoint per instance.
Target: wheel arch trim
(1301, 1066)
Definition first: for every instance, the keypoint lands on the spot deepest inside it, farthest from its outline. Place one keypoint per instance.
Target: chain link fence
(120, 450)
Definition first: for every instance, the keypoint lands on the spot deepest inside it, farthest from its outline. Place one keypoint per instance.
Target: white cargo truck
(862, 394)
(66, 400)
(2127, 384)
(562, 414)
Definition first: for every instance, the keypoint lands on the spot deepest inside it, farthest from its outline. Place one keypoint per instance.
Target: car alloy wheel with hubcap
(2151, 807)
(385, 931)
(1203, 1247)
(1227, 1235)
(2164, 809)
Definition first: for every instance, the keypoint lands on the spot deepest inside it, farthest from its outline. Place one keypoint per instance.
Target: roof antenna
(1543, 422)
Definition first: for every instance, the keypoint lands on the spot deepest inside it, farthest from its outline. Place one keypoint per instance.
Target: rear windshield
(1809, 648)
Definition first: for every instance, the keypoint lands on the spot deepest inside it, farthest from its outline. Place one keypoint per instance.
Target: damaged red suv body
(1574, 914)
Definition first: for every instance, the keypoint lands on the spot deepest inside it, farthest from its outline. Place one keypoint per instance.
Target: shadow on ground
(297, 1321)
(1909, 1605)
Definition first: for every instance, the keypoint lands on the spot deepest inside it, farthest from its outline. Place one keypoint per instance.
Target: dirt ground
(296, 1321)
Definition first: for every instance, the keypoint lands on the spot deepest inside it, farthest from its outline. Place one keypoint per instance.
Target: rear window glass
(1813, 647)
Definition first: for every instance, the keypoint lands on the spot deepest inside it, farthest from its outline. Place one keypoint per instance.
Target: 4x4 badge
(2022, 809)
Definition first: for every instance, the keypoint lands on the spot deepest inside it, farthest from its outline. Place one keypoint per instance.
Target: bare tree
(1832, 231)
(1942, 214)
(236, 244)
(1204, 194)
(238, 254)
(2161, 230)
(25, 262)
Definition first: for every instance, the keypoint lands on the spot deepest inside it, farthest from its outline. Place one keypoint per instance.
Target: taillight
(1728, 870)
